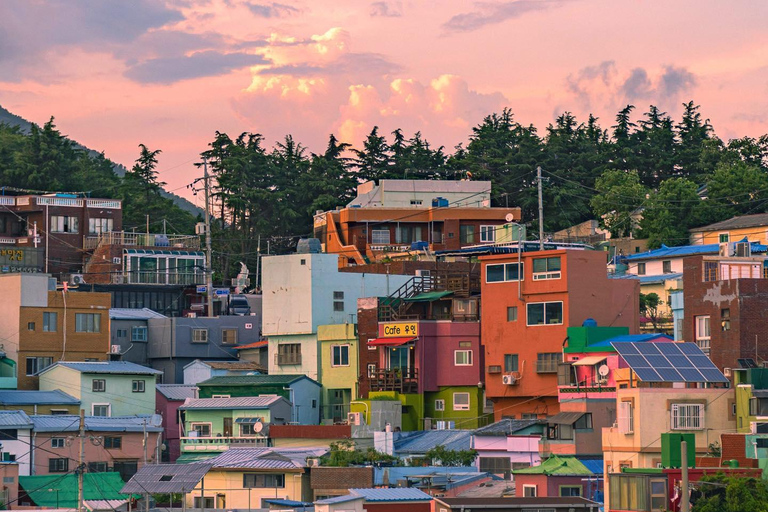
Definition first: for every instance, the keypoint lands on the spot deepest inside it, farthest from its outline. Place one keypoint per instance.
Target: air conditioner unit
(423, 273)
(313, 463)
(200, 228)
(355, 418)
(509, 380)
(76, 279)
(114, 349)
(727, 372)
(743, 249)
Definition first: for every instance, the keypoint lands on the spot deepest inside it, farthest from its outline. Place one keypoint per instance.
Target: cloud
(577, 83)
(386, 9)
(637, 85)
(166, 70)
(675, 81)
(273, 10)
(487, 13)
(348, 63)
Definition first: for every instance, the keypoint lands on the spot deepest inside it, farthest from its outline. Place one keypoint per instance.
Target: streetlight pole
(208, 252)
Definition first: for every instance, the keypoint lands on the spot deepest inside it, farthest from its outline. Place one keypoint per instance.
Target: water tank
(589, 322)
(439, 202)
(308, 245)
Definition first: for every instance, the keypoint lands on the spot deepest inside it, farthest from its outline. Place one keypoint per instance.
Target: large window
(98, 226)
(560, 432)
(461, 401)
(546, 362)
(263, 481)
(88, 322)
(340, 355)
(544, 313)
(511, 363)
(63, 224)
(138, 333)
(380, 236)
(164, 268)
(546, 268)
(289, 353)
(626, 418)
(502, 272)
(703, 333)
(202, 429)
(487, 233)
(58, 465)
(38, 364)
(570, 490)
(50, 320)
(462, 357)
(126, 468)
(467, 234)
(113, 442)
(687, 417)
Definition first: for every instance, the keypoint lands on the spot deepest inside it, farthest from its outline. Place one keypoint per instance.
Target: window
(702, 332)
(416, 202)
(137, 386)
(58, 442)
(687, 417)
(340, 355)
(371, 370)
(710, 271)
(467, 234)
(101, 409)
(263, 481)
(545, 313)
(9, 434)
(246, 429)
(202, 429)
(725, 319)
(88, 322)
(221, 396)
(584, 423)
(462, 357)
(529, 491)
(570, 490)
(113, 442)
(60, 412)
(98, 226)
(529, 416)
(504, 272)
(139, 333)
(122, 333)
(38, 364)
(487, 233)
(495, 465)
(494, 368)
(199, 335)
(228, 336)
(558, 432)
(512, 314)
(440, 405)
(666, 266)
(724, 238)
(546, 268)
(63, 224)
(98, 385)
(50, 321)
(58, 465)
(338, 301)
(126, 469)
(510, 363)
(547, 362)
(380, 236)
(303, 261)
(461, 401)
(641, 269)
(289, 353)
(97, 467)
(659, 494)
(626, 418)
(30, 326)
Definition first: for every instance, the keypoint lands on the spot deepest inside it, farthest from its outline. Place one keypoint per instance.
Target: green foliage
(672, 210)
(620, 194)
(440, 456)
(343, 453)
(649, 307)
(723, 493)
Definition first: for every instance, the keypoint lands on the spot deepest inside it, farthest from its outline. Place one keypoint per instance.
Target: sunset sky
(116, 73)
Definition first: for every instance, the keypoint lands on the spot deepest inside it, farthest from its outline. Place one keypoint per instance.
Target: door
(228, 427)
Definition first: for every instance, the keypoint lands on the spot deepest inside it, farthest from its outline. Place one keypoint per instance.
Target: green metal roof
(253, 380)
(96, 486)
(429, 296)
(556, 466)
(186, 458)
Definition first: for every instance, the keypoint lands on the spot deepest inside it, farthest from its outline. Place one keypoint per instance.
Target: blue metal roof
(15, 419)
(396, 473)
(29, 397)
(71, 422)
(288, 503)
(632, 338)
(339, 499)
(424, 440)
(133, 314)
(655, 279)
(594, 465)
(394, 494)
(109, 367)
(686, 250)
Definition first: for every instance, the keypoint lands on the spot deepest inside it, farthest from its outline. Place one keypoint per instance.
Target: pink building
(507, 445)
(116, 443)
(169, 398)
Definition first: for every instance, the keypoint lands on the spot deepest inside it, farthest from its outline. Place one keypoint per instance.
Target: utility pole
(541, 210)
(685, 500)
(208, 252)
(258, 265)
(80, 466)
(144, 429)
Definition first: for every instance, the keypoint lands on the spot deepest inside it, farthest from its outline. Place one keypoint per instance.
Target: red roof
(310, 431)
(258, 344)
(391, 342)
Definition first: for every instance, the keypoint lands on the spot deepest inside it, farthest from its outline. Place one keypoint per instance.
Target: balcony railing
(7, 201)
(287, 359)
(142, 240)
(403, 380)
(103, 203)
(157, 277)
(217, 444)
(59, 201)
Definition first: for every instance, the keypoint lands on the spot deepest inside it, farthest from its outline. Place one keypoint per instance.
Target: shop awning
(249, 420)
(564, 418)
(390, 342)
(588, 361)
(428, 296)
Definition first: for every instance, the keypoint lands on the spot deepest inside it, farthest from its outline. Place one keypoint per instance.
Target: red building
(524, 328)
(169, 398)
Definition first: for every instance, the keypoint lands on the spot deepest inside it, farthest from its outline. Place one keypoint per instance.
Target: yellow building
(753, 227)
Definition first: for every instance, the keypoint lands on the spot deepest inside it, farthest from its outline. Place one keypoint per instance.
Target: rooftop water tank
(589, 322)
(439, 202)
(308, 245)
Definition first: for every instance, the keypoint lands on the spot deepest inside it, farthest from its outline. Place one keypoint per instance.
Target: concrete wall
(21, 448)
(229, 485)
(132, 351)
(196, 372)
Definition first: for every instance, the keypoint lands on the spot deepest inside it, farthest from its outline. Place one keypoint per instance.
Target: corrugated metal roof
(108, 367)
(15, 419)
(254, 380)
(739, 222)
(166, 478)
(393, 494)
(556, 465)
(632, 338)
(339, 499)
(594, 465)
(234, 365)
(239, 402)
(71, 422)
(266, 458)
(564, 418)
(104, 504)
(178, 392)
(506, 427)
(133, 314)
(255, 344)
(422, 441)
(28, 397)
(390, 475)
(96, 486)
(288, 503)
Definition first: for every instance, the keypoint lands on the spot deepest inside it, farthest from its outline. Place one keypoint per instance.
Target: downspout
(32, 454)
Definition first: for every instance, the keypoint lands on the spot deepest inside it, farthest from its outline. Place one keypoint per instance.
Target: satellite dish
(258, 427)
(156, 420)
(604, 370)
(509, 217)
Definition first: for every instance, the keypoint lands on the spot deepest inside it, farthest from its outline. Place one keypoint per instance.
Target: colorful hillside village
(419, 353)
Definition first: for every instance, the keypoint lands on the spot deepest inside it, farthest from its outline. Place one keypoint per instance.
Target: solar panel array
(669, 362)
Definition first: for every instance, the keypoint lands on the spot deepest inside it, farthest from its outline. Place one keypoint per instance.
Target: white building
(421, 193)
(15, 428)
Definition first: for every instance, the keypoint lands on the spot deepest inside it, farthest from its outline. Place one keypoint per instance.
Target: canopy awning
(564, 418)
(589, 360)
(249, 420)
(429, 296)
(390, 342)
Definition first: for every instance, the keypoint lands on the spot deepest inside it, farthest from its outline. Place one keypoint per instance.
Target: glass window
(529, 491)
(229, 336)
(666, 266)
(97, 467)
(461, 401)
(546, 362)
(503, 272)
(687, 417)
(545, 313)
(494, 273)
(725, 319)
(512, 314)
(60, 465)
(584, 423)
(289, 353)
(510, 363)
(30, 326)
(641, 269)
(199, 335)
(138, 386)
(58, 442)
(338, 301)
(202, 429)
(38, 364)
(50, 320)
(724, 238)
(87, 322)
(380, 236)
(467, 234)
(100, 409)
(138, 333)
(98, 225)
(546, 268)
(703, 332)
(63, 224)
(263, 481)
(340, 355)
(495, 465)
(99, 385)
(626, 418)
(462, 357)
(113, 442)
(487, 233)
(570, 490)
(440, 405)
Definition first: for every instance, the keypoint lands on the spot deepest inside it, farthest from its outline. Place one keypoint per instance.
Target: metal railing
(103, 203)
(219, 443)
(403, 380)
(142, 240)
(59, 201)
(157, 277)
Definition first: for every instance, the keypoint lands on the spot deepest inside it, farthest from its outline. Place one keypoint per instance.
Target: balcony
(158, 277)
(142, 240)
(219, 444)
(405, 380)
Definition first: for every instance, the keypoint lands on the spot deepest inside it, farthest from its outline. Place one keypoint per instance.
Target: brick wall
(367, 328)
(332, 481)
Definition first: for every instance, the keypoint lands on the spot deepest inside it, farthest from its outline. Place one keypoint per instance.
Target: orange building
(524, 330)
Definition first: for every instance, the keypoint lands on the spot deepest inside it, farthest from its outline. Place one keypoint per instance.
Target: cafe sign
(400, 329)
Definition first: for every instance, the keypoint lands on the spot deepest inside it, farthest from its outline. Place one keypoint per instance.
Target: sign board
(220, 292)
(202, 289)
(26, 259)
(399, 329)
(249, 326)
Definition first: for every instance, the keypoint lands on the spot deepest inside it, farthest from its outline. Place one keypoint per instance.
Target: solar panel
(747, 362)
(669, 362)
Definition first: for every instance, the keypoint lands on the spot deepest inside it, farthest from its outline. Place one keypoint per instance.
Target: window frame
(506, 272)
(288, 357)
(47, 316)
(37, 366)
(278, 481)
(193, 427)
(577, 487)
(138, 386)
(341, 350)
(338, 301)
(58, 465)
(552, 360)
(107, 405)
(544, 313)
(666, 266)
(702, 323)
(88, 323)
(641, 268)
(226, 332)
(462, 407)
(69, 224)
(440, 405)
(139, 329)
(626, 417)
(529, 487)
(58, 442)
(113, 442)
(514, 313)
(485, 229)
(98, 385)
(511, 358)
(197, 335)
(467, 354)
(548, 273)
(686, 422)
